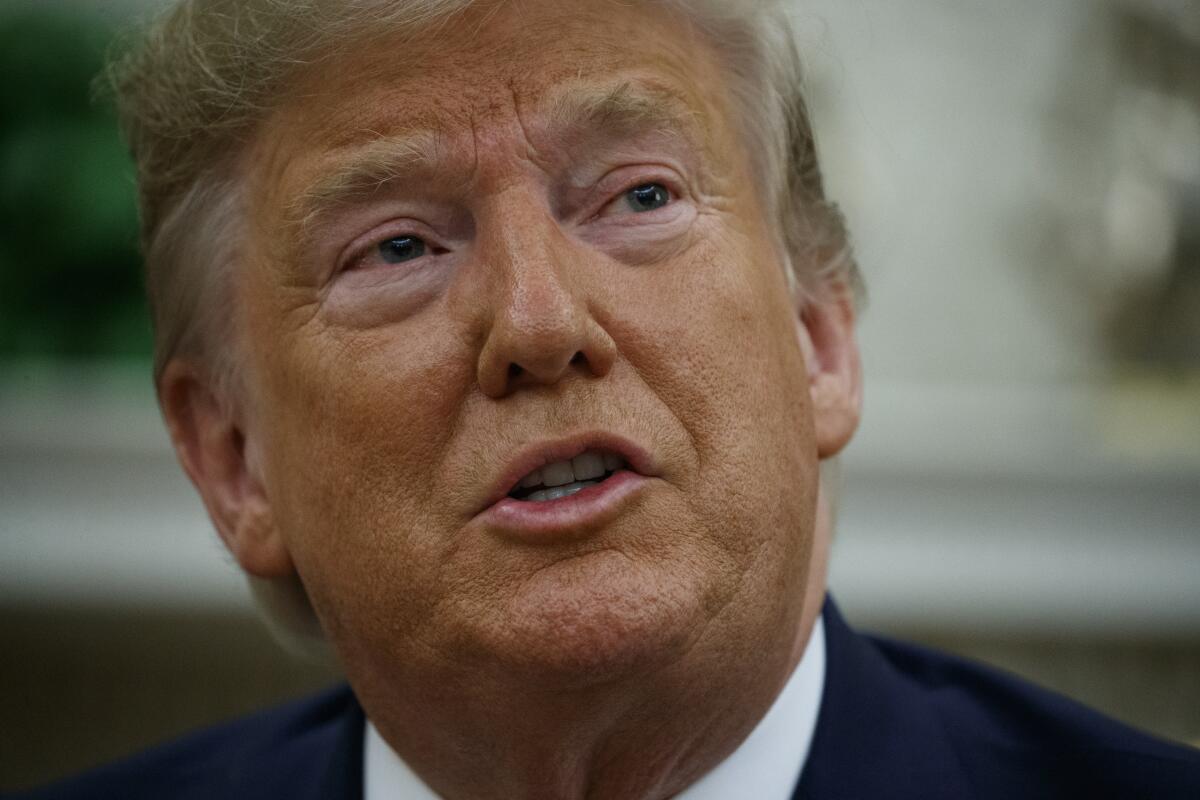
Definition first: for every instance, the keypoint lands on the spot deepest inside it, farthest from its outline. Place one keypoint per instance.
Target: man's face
(532, 235)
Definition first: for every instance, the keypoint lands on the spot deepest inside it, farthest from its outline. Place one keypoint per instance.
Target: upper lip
(540, 454)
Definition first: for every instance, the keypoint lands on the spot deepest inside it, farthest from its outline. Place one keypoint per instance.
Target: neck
(647, 752)
(765, 765)
(473, 734)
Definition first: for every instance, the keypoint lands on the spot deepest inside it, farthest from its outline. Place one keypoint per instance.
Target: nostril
(514, 370)
(578, 358)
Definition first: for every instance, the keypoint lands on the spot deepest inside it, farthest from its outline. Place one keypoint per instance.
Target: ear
(825, 326)
(220, 458)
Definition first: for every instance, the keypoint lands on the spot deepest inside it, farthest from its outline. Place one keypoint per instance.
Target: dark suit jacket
(896, 722)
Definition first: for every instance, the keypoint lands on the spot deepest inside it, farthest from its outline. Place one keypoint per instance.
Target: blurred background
(1023, 180)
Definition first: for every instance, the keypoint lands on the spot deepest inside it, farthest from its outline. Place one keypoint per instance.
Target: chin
(597, 619)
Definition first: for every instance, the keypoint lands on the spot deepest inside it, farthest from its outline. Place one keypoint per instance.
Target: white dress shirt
(765, 767)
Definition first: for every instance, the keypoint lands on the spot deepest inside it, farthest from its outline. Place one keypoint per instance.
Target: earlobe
(220, 459)
(826, 330)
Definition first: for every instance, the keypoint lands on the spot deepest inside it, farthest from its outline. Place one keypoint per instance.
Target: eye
(401, 249)
(647, 197)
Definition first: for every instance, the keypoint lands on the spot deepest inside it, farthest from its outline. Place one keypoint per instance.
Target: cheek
(358, 425)
(728, 357)
(723, 355)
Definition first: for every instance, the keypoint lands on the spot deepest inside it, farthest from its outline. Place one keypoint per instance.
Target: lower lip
(571, 517)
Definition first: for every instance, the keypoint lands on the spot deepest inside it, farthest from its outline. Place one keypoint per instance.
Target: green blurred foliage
(70, 279)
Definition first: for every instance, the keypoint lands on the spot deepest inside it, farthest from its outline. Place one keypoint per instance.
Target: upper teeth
(584, 467)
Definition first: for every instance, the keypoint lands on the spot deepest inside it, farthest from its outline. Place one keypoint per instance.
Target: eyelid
(643, 176)
(362, 247)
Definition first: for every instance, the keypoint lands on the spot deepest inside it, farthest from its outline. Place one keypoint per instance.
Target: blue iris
(648, 197)
(401, 249)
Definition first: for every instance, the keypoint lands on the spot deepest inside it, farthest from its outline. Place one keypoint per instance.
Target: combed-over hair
(194, 85)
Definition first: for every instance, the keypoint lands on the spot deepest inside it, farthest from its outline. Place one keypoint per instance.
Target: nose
(540, 325)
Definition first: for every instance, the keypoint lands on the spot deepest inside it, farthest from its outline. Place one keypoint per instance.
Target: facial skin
(388, 393)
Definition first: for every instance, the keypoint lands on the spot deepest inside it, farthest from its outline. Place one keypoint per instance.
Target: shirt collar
(766, 765)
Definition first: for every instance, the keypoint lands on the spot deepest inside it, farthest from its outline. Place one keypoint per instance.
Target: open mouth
(564, 478)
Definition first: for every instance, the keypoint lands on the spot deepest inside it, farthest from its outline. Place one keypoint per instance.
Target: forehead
(530, 63)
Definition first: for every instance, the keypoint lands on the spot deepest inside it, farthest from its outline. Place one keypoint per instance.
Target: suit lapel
(343, 774)
(876, 734)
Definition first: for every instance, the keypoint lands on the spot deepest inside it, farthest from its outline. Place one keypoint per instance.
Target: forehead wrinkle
(569, 111)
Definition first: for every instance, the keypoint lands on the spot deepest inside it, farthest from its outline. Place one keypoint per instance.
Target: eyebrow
(576, 110)
(366, 170)
(627, 107)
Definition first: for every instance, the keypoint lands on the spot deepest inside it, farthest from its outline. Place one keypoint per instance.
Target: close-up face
(530, 239)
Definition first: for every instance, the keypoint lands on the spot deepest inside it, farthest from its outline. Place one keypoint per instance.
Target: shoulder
(1036, 743)
(902, 721)
(280, 752)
